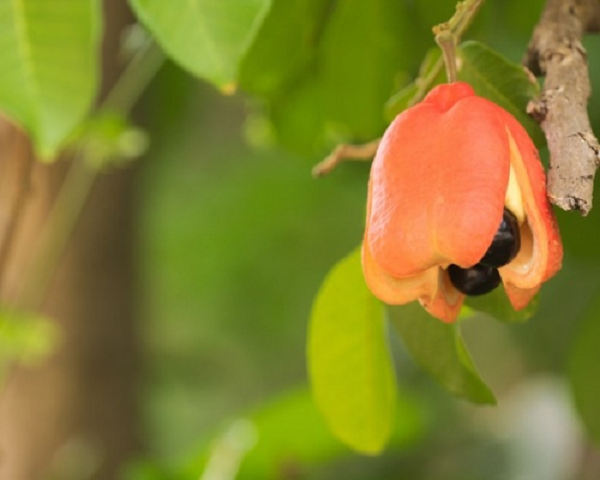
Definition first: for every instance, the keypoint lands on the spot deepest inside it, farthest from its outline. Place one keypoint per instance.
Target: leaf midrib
(204, 30)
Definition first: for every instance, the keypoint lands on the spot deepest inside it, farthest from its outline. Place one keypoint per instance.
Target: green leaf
(501, 81)
(282, 66)
(207, 37)
(439, 349)
(497, 305)
(49, 66)
(350, 367)
(583, 367)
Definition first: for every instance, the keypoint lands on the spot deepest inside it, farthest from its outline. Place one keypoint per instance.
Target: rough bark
(556, 52)
(75, 415)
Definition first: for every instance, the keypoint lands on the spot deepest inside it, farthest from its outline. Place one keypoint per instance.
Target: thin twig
(134, 80)
(555, 50)
(344, 152)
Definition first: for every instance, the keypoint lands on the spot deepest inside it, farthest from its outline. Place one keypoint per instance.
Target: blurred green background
(237, 237)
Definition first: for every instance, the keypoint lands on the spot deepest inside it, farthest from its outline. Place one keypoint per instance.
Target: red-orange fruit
(443, 174)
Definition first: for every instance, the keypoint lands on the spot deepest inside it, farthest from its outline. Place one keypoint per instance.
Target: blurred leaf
(298, 116)
(108, 138)
(26, 338)
(576, 231)
(365, 45)
(431, 13)
(497, 305)
(282, 66)
(583, 367)
(519, 18)
(439, 349)
(431, 73)
(290, 431)
(401, 100)
(146, 469)
(207, 37)
(49, 66)
(285, 45)
(501, 81)
(350, 366)
(326, 68)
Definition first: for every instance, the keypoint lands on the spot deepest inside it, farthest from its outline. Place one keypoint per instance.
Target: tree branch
(555, 50)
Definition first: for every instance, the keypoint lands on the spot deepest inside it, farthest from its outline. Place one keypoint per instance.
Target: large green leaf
(350, 366)
(48, 65)
(583, 368)
(439, 349)
(207, 37)
(501, 81)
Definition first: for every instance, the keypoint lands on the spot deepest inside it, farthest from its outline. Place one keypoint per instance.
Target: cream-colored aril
(513, 200)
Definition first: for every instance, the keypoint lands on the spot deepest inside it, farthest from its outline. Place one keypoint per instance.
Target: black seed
(506, 243)
(477, 280)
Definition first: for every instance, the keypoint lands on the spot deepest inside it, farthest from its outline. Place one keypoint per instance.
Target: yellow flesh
(513, 200)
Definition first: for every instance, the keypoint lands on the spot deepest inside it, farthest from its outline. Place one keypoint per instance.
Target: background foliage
(236, 238)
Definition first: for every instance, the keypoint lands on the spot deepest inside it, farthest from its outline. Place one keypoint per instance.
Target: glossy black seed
(506, 243)
(476, 280)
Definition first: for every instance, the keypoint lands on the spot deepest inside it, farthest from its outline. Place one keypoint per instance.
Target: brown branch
(344, 152)
(555, 50)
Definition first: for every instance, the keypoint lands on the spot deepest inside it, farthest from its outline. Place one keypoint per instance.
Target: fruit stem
(447, 42)
(447, 34)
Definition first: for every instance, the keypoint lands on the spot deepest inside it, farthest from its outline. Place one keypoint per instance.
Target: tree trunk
(76, 415)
